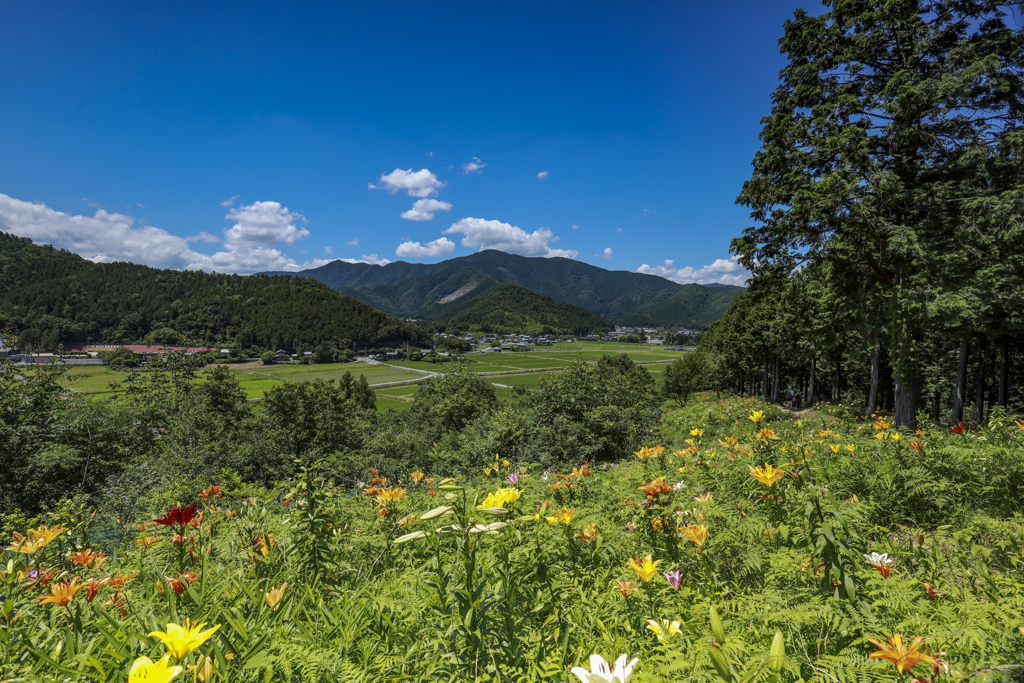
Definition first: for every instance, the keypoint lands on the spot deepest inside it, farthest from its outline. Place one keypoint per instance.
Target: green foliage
(414, 580)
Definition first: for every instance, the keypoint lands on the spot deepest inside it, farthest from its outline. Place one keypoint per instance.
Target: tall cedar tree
(891, 117)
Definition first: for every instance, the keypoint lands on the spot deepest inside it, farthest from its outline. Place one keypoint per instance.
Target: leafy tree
(685, 376)
(119, 358)
(889, 119)
(448, 402)
(309, 419)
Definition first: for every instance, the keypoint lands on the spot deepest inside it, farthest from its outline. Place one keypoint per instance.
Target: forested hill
(416, 289)
(48, 296)
(513, 309)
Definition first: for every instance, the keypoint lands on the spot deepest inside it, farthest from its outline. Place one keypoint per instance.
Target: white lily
(875, 559)
(601, 672)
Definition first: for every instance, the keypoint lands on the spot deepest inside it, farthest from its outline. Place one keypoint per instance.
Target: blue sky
(250, 136)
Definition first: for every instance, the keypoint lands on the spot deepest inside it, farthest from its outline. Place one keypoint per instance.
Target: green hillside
(513, 309)
(697, 304)
(415, 290)
(49, 296)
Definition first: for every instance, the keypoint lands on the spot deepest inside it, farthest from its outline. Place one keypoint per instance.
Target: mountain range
(431, 290)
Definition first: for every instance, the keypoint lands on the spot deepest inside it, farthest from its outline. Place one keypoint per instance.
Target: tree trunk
(810, 382)
(873, 386)
(765, 387)
(960, 388)
(1004, 369)
(979, 393)
(905, 379)
(775, 379)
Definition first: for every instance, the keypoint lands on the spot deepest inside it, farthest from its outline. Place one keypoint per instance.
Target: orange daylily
(92, 587)
(627, 588)
(117, 581)
(589, 533)
(62, 593)
(148, 540)
(87, 558)
(904, 656)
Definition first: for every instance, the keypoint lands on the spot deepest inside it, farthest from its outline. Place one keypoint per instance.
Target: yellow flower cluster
(502, 498)
(648, 453)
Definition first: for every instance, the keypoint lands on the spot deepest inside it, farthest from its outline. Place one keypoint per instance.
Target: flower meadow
(740, 543)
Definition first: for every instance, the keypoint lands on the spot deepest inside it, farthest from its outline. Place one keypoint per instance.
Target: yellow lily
(767, 475)
(274, 595)
(501, 498)
(145, 670)
(757, 417)
(696, 534)
(663, 629)
(645, 568)
(181, 640)
(36, 540)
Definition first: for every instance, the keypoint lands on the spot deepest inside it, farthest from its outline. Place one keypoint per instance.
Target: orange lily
(62, 593)
(904, 656)
(92, 587)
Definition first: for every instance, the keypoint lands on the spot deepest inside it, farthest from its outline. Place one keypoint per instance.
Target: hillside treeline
(888, 200)
(49, 296)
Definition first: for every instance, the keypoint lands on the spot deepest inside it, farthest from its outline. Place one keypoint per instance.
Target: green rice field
(256, 380)
(508, 369)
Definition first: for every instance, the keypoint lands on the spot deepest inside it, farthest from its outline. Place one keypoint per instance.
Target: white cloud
(106, 237)
(647, 212)
(430, 154)
(423, 209)
(543, 175)
(723, 271)
(421, 183)
(102, 238)
(328, 250)
(509, 238)
(607, 253)
(474, 166)
(90, 203)
(263, 224)
(618, 229)
(372, 259)
(229, 202)
(352, 243)
(439, 247)
(575, 227)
